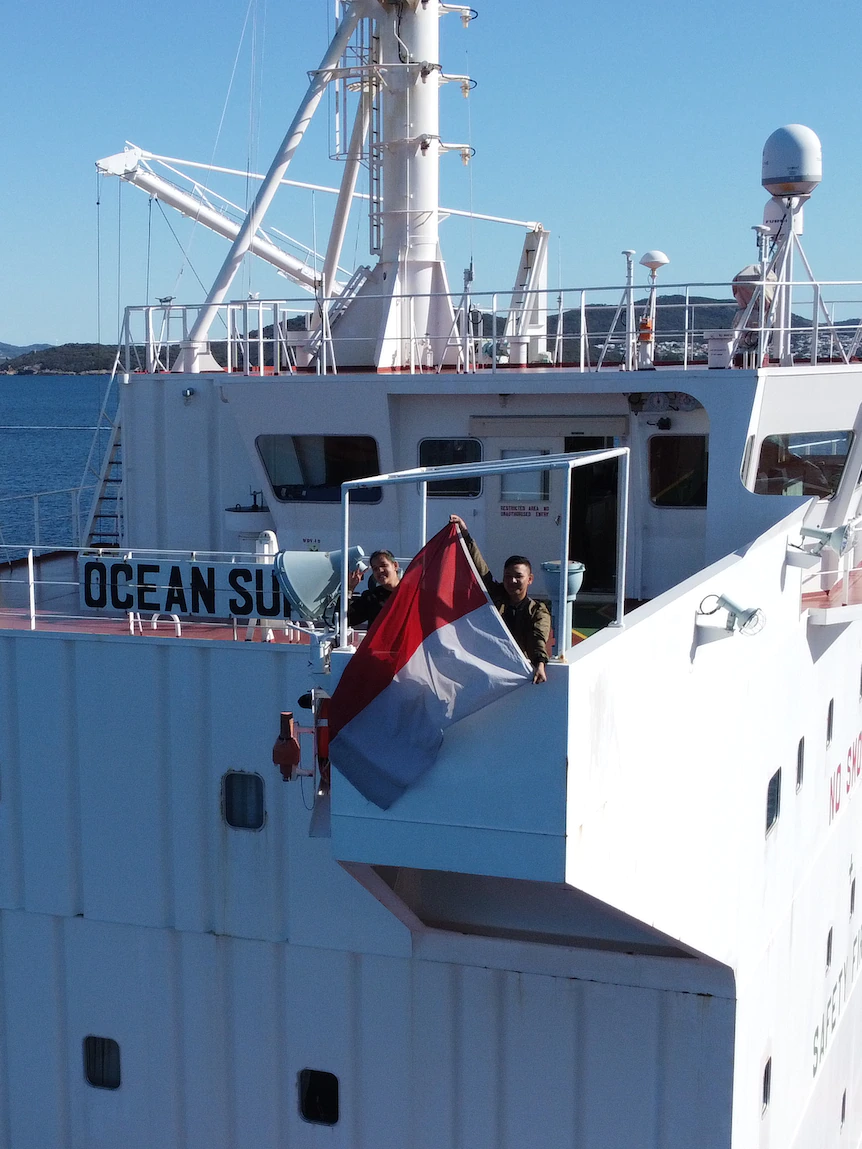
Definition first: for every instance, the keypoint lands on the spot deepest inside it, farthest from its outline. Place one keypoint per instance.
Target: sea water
(47, 427)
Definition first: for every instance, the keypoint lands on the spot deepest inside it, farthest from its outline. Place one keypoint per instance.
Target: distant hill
(10, 351)
(67, 359)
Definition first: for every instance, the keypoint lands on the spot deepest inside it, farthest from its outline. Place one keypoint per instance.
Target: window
(677, 470)
(830, 721)
(852, 897)
(773, 800)
(102, 1062)
(311, 468)
(767, 1084)
(843, 1108)
(524, 486)
(449, 453)
(800, 763)
(318, 1096)
(242, 800)
(829, 948)
(810, 463)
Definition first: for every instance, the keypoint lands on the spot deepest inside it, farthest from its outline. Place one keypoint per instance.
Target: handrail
(557, 462)
(275, 336)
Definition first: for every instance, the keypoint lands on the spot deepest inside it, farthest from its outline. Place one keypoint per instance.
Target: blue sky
(615, 125)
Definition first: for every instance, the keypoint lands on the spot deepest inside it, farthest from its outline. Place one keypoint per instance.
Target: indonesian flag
(437, 652)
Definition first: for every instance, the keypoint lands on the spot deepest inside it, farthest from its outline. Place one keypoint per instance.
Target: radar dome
(792, 161)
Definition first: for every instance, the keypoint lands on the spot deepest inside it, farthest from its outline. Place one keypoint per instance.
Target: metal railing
(582, 328)
(31, 517)
(139, 591)
(567, 463)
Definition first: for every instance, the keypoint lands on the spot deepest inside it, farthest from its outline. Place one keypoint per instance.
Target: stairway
(105, 525)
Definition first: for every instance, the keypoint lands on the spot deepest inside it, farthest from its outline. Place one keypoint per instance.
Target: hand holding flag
(436, 653)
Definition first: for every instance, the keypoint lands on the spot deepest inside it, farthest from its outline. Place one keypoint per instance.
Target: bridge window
(102, 1062)
(311, 468)
(809, 463)
(678, 470)
(449, 453)
(242, 800)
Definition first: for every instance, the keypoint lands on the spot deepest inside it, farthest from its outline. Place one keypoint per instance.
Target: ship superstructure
(621, 909)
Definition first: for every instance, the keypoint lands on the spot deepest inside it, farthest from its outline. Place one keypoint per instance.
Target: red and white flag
(437, 652)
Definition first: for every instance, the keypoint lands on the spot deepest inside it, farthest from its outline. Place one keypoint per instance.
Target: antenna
(646, 332)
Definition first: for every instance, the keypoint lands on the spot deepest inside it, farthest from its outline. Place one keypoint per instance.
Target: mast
(402, 315)
(196, 347)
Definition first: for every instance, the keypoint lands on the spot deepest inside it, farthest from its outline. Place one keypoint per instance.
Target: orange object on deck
(286, 753)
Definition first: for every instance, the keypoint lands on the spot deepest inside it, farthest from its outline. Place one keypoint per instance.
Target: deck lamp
(745, 620)
(838, 539)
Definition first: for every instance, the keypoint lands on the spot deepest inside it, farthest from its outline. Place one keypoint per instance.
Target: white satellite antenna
(646, 329)
(792, 168)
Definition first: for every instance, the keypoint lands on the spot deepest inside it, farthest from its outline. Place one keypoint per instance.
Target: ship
(621, 908)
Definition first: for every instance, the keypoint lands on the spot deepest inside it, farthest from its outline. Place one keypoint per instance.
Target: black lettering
(95, 597)
(245, 604)
(144, 588)
(203, 590)
(176, 595)
(126, 601)
(274, 608)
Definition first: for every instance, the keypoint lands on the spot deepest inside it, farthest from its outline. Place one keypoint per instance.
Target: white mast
(387, 325)
(196, 347)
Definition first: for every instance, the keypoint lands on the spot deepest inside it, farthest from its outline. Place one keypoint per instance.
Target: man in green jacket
(528, 620)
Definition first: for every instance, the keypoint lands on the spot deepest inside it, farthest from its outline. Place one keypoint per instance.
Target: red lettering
(835, 794)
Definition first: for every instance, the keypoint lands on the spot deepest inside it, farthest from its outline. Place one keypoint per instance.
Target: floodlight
(745, 620)
(311, 580)
(837, 539)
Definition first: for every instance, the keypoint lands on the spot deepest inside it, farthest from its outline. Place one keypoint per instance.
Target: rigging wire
(185, 249)
(180, 246)
(470, 166)
(119, 251)
(98, 260)
(149, 247)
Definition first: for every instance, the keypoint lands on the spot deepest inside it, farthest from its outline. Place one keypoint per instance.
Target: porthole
(773, 800)
(800, 763)
(102, 1062)
(242, 800)
(318, 1097)
(767, 1085)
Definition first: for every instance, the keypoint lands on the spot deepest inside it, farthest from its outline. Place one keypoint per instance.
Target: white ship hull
(620, 910)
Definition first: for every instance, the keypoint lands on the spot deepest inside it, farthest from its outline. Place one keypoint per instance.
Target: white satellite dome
(653, 260)
(792, 161)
